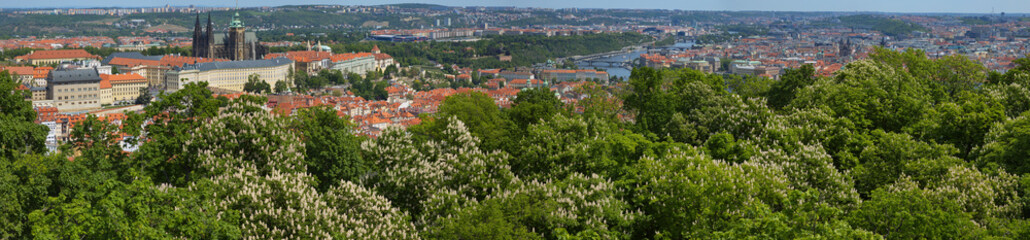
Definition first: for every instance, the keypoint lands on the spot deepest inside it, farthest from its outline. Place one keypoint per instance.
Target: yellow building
(229, 75)
(54, 56)
(105, 91)
(125, 87)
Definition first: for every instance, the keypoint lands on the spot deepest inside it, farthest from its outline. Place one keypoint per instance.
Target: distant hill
(166, 28)
(420, 5)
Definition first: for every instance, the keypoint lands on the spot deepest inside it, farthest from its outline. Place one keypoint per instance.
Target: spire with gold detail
(236, 22)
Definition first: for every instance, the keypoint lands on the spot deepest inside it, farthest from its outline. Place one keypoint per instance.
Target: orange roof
(375, 48)
(131, 62)
(122, 78)
(105, 83)
(302, 56)
(58, 54)
(167, 60)
(178, 61)
(41, 72)
(381, 56)
(18, 70)
(349, 56)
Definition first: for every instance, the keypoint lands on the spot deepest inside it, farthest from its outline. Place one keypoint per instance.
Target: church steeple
(209, 39)
(196, 27)
(236, 22)
(197, 31)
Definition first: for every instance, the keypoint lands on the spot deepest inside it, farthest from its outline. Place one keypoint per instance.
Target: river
(624, 72)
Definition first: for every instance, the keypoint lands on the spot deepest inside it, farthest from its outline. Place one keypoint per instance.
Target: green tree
(176, 116)
(144, 97)
(332, 150)
(1007, 145)
(534, 105)
(476, 110)
(19, 134)
(281, 87)
(782, 92)
(904, 211)
(652, 106)
(256, 85)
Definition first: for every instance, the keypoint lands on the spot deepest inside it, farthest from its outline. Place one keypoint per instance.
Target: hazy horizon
(917, 6)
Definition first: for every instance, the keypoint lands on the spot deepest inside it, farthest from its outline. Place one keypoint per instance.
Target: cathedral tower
(236, 43)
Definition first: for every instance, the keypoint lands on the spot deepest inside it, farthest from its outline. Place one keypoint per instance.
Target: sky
(921, 6)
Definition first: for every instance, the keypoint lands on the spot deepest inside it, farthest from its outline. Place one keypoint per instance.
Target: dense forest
(896, 146)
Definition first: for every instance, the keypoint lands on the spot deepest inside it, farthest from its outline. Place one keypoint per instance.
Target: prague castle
(236, 44)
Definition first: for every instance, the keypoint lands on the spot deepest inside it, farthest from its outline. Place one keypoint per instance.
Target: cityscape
(429, 121)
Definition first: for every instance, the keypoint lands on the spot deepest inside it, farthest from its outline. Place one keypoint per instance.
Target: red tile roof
(18, 70)
(105, 83)
(122, 78)
(58, 54)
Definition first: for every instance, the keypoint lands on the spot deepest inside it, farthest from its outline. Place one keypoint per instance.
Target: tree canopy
(897, 146)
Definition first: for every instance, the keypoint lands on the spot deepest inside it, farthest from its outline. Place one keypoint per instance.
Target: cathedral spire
(196, 28)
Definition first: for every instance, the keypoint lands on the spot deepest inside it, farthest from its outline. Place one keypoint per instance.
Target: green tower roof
(236, 22)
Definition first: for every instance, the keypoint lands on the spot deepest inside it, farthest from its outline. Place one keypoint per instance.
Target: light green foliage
(963, 123)
(750, 86)
(258, 176)
(576, 205)
(600, 102)
(905, 211)
(799, 127)
(869, 94)
(475, 110)
(1014, 94)
(811, 168)
(564, 145)
(438, 177)
(687, 194)
(893, 155)
(1007, 146)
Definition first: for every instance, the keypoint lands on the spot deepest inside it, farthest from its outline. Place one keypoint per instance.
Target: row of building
(82, 82)
(71, 90)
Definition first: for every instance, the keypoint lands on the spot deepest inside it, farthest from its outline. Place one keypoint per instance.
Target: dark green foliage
(19, 134)
(534, 105)
(783, 91)
(332, 148)
(256, 85)
(144, 97)
(367, 88)
(176, 116)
